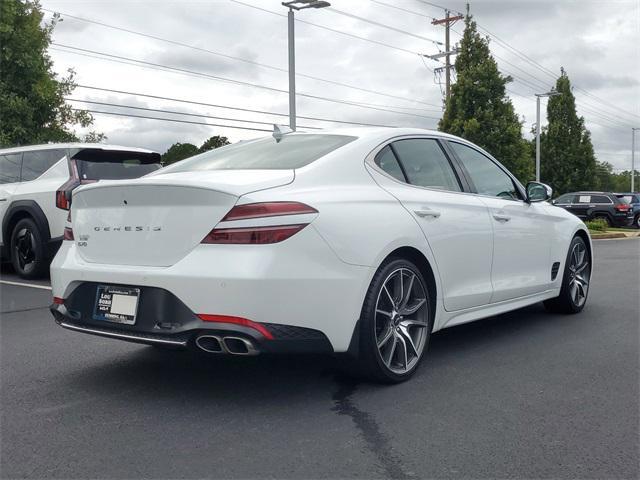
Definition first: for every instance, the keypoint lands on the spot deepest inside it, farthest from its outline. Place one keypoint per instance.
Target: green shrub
(596, 225)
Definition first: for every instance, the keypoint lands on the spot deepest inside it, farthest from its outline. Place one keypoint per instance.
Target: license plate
(116, 304)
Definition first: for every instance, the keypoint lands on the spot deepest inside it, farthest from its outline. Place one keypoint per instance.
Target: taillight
(62, 200)
(58, 300)
(260, 234)
(267, 209)
(253, 235)
(623, 207)
(63, 194)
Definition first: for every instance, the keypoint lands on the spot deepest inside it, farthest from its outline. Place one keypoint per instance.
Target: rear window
(628, 198)
(292, 151)
(114, 165)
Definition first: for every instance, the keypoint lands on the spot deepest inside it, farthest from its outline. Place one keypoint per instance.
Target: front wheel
(28, 254)
(575, 281)
(395, 322)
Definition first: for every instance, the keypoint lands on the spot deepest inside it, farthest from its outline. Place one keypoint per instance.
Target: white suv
(35, 193)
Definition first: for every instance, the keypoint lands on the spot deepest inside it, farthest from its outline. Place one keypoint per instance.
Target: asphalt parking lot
(522, 395)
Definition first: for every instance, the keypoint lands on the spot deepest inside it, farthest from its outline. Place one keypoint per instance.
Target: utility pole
(447, 21)
(633, 158)
(551, 93)
(296, 5)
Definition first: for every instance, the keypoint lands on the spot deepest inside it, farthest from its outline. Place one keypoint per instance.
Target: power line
(173, 112)
(376, 42)
(144, 63)
(378, 24)
(403, 9)
(193, 102)
(613, 110)
(236, 58)
(171, 120)
(439, 6)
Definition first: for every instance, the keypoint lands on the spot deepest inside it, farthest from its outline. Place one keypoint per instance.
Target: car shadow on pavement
(150, 371)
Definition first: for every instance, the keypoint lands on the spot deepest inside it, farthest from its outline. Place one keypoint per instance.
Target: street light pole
(296, 5)
(551, 93)
(633, 158)
(292, 71)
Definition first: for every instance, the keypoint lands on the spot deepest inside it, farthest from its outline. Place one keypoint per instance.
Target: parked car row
(36, 183)
(615, 209)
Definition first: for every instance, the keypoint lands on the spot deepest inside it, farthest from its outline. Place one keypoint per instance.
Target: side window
(584, 198)
(488, 178)
(425, 164)
(600, 199)
(388, 162)
(10, 168)
(565, 199)
(37, 162)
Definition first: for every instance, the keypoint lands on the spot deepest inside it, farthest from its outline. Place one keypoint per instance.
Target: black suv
(591, 205)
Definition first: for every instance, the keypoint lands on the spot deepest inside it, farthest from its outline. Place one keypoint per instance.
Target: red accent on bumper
(58, 300)
(237, 321)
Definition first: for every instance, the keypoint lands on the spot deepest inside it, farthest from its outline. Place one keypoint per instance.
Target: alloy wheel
(579, 274)
(25, 249)
(401, 320)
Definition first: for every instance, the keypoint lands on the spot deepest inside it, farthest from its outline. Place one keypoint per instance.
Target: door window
(564, 199)
(425, 164)
(388, 162)
(10, 167)
(488, 178)
(37, 162)
(600, 199)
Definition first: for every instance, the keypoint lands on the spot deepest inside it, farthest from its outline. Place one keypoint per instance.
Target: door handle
(427, 213)
(501, 218)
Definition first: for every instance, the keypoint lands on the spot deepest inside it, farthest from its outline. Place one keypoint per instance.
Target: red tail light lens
(264, 234)
(623, 207)
(62, 200)
(237, 321)
(68, 233)
(252, 235)
(267, 209)
(58, 300)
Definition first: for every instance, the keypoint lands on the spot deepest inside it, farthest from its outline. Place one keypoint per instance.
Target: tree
(214, 142)
(479, 109)
(32, 106)
(179, 151)
(568, 162)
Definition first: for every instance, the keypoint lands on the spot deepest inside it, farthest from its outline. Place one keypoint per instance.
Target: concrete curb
(603, 236)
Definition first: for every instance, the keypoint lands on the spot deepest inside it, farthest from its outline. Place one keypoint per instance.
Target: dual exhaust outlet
(230, 345)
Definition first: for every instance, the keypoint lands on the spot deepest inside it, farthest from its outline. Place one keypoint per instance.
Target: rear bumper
(162, 319)
(298, 283)
(622, 220)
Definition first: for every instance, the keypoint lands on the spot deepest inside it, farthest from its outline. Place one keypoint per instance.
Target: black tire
(28, 253)
(636, 221)
(566, 302)
(370, 363)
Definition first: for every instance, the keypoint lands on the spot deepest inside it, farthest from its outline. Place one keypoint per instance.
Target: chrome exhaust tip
(210, 344)
(239, 346)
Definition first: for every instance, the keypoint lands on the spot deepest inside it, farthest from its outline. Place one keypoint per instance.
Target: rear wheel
(575, 281)
(636, 221)
(28, 254)
(395, 322)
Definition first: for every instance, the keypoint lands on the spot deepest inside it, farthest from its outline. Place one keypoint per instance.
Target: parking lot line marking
(20, 284)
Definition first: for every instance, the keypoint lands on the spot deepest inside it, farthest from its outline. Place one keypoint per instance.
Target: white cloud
(598, 45)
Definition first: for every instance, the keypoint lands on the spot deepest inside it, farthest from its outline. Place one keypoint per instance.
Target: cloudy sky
(233, 53)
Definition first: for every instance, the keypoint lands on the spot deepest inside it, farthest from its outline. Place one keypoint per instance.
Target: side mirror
(538, 192)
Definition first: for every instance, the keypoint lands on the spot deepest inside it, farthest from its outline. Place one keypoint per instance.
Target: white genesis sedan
(356, 241)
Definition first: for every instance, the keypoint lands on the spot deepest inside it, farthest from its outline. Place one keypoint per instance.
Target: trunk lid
(158, 219)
